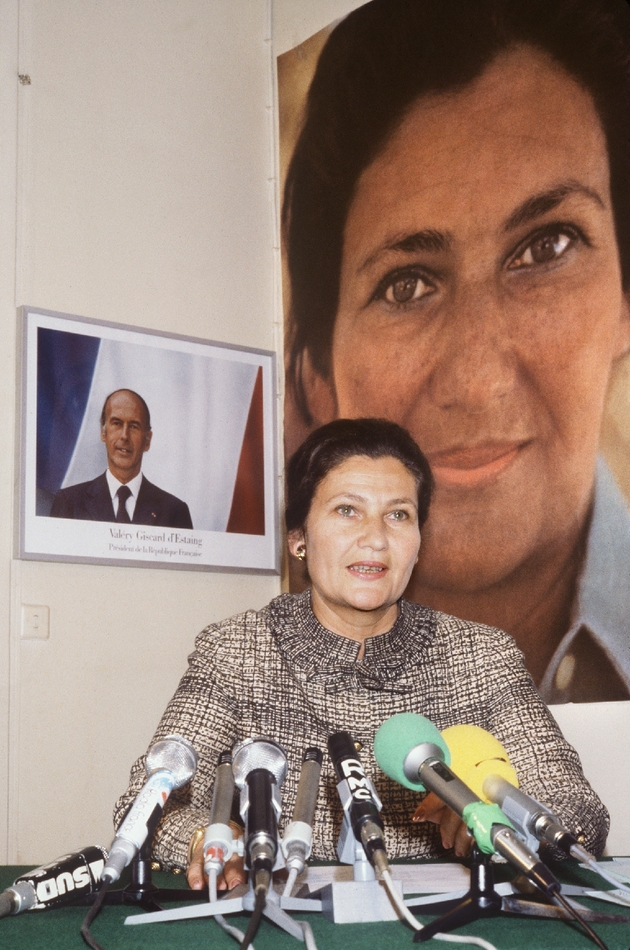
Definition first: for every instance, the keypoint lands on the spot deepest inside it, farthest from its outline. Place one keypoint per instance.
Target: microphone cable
(609, 876)
(290, 882)
(404, 911)
(238, 935)
(91, 915)
(254, 920)
(570, 908)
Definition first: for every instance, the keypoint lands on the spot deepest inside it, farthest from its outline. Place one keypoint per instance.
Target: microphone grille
(403, 742)
(259, 754)
(174, 754)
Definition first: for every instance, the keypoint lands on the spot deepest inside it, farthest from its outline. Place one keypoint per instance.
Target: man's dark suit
(91, 501)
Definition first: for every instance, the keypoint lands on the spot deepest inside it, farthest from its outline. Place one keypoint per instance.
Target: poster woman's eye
(544, 249)
(403, 287)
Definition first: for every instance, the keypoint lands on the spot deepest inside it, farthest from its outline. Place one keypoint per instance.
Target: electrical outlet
(35, 622)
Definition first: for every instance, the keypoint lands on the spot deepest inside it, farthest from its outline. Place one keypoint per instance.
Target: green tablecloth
(59, 929)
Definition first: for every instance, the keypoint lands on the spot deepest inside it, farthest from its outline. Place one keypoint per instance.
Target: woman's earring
(301, 552)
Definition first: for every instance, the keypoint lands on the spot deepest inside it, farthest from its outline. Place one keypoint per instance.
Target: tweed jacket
(279, 674)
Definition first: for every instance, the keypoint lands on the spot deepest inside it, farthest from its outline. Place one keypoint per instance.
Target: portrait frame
(213, 447)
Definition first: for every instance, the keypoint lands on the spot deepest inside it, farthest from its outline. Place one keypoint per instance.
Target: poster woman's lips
(469, 467)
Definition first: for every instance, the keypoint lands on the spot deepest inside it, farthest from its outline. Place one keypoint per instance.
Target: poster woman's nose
(475, 365)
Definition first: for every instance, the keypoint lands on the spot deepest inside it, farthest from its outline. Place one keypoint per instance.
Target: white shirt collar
(134, 487)
(602, 604)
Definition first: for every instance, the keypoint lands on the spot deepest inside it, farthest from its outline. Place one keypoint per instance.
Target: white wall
(143, 155)
(601, 734)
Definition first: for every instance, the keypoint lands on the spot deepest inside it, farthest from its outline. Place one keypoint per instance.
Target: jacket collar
(318, 654)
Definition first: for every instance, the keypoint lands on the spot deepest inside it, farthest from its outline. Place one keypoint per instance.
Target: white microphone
(170, 764)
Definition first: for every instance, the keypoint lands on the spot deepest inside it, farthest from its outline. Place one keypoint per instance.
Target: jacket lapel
(98, 501)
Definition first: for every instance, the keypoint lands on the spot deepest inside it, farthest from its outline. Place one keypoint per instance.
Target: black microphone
(298, 837)
(260, 767)
(55, 884)
(170, 763)
(363, 812)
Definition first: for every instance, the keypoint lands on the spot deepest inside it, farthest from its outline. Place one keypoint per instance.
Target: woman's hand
(233, 872)
(454, 832)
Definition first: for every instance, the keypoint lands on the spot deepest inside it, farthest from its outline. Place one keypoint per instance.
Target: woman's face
(361, 536)
(481, 307)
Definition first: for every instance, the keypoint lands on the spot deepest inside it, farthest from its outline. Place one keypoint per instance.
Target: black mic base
(142, 892)
(483, 901)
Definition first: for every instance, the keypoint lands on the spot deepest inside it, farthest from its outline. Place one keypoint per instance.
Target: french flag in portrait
(206, 416)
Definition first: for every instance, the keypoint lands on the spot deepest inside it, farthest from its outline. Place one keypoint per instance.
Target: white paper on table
(416, 878)
(621, 868)
(615, 897)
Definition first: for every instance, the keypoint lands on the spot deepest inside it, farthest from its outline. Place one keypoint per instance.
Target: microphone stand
(364, 899)
(275, 906)
(482, 900)
(141, 891)
(275, 909)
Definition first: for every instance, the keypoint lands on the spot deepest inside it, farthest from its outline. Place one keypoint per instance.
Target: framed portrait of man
(145, 448)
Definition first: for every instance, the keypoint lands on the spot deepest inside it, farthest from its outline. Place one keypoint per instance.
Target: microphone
(363, 811)
(218, 839)
(533, 818)
(53, 885)
(410, 749)
(481, 761)
(260, 768)
(170, 764)
(298, 836)
(475, 754)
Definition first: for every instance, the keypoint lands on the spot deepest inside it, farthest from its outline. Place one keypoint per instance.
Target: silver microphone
(170, 764)
(298, 837)
(218, 838)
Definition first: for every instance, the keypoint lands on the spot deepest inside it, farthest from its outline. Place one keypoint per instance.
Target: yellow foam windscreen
(475, 754)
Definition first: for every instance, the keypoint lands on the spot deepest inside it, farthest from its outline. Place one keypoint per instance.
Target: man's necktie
(123, 494)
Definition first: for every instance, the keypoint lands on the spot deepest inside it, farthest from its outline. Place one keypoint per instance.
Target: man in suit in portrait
(122, 493)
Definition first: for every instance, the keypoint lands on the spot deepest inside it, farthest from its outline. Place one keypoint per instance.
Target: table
(59, 929)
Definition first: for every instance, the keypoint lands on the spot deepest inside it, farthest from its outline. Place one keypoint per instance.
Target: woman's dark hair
(332, 444)
(375, 64)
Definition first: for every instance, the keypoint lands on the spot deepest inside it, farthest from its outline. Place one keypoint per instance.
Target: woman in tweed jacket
(349, 652)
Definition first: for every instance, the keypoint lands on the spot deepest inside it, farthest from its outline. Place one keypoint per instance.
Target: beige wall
(143, 156)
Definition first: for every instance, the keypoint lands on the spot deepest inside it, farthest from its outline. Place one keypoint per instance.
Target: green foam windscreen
(396, 738)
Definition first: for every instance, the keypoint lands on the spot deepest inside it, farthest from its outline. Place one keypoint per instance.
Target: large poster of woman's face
(456, 232)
